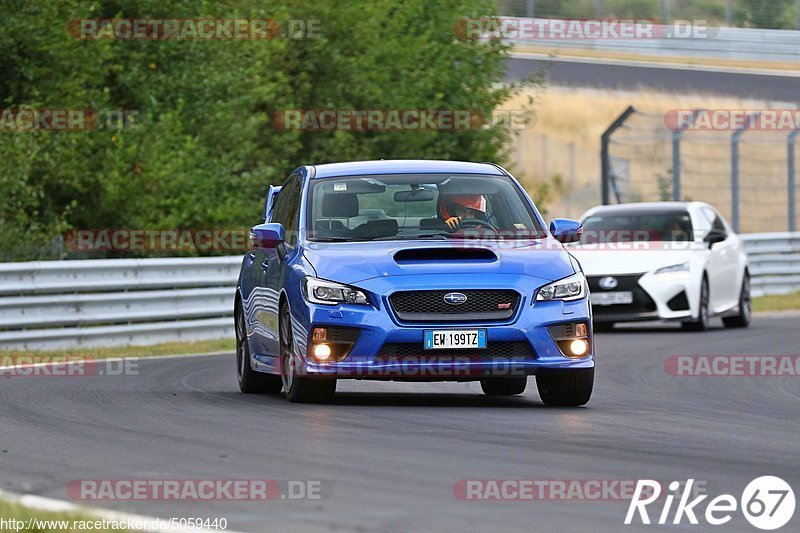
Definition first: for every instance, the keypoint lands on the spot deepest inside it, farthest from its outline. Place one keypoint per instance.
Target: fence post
(605, 157)
(531, 9)
(676, 165)
(735, 170)
(790, 182)
(571, 182)
(677, 136)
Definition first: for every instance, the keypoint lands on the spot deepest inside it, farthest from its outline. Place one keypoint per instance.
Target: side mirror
(268, 235)
(714, 236)
(566, 230)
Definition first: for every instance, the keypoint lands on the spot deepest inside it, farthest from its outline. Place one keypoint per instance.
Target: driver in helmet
(457, 208)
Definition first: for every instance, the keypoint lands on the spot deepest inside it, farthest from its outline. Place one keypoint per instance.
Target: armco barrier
(113, 302)
(774, 262)
(66, 304)
(718, 43)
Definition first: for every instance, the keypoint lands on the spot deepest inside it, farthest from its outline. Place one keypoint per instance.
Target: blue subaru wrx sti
(411, 270)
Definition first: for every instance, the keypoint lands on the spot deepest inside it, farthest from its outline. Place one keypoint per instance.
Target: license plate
(454, 338)
(612, 298)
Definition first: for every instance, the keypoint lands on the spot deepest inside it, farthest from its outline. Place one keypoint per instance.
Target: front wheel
(504, 386)
(250, 381)
(566, 388)
(701, 324)
(742, 320)
(602, 327)
(299, 389)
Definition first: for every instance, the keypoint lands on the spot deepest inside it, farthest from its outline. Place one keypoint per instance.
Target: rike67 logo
(767, 503)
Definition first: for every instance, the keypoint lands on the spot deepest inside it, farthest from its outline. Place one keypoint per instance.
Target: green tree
(205, 149)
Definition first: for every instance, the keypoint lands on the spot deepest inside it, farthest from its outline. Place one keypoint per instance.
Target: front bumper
(654, 297)
(527, 331)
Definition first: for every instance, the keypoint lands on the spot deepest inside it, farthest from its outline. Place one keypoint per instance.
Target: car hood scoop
(416, 255)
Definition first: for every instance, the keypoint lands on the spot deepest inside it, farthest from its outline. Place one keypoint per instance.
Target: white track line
(40, 503)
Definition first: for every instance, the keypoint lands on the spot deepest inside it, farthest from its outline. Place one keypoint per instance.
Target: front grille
(481, 304)
(642, 303)
(494, 350)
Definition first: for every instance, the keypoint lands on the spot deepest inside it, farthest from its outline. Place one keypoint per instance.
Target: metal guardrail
(67, 304)
(719, 43)
(774, 262)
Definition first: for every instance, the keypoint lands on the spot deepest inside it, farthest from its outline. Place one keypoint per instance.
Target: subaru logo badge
(455, 298)
(608, 283)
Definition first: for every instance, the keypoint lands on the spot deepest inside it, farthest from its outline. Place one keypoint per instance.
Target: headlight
(569, 288)
(673, 270)
(319, 291)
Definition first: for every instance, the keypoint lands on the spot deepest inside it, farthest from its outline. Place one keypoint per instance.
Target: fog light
(578, 347)
(322, 352)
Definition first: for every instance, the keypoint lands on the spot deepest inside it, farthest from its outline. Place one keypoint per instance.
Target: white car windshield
(638, 226)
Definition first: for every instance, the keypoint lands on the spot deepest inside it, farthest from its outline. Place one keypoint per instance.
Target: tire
(703, 319)
(566, 388)
(504, 386)
(299, 389)
(250, 381)
(602, 327)
(742, 320)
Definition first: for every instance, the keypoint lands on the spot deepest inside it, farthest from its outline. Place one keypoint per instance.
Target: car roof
(404, 166)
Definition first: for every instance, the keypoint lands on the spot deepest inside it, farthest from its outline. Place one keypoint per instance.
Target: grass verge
(171, 348)
(777, 302)
(35, 521)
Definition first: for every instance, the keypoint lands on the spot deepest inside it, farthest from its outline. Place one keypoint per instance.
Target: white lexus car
(663, 261)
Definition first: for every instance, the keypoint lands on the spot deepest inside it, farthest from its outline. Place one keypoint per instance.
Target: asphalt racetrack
(389, 454)
(596, 74)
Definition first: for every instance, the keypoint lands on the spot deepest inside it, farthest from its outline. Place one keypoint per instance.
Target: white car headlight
(320, 291)
(673, 271)
(570, 288)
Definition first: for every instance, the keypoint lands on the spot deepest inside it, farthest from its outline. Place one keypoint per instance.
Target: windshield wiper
(336, 239)
(440, 236)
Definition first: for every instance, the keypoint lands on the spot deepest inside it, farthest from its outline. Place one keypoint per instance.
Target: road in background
(391, 452)
(601, 74)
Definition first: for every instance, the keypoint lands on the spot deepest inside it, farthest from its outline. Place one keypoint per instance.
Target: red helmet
(470, 201)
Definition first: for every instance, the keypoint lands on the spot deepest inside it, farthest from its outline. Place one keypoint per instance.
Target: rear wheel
(299, 389)
(703, 319)
(568, 388)
(250, 381)
(504, 386)
(742, 320)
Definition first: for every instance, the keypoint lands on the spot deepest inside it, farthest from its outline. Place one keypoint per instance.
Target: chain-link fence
(744, 170)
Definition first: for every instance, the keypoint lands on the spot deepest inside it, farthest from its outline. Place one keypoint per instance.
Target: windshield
(427, 206)
(637, 226)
